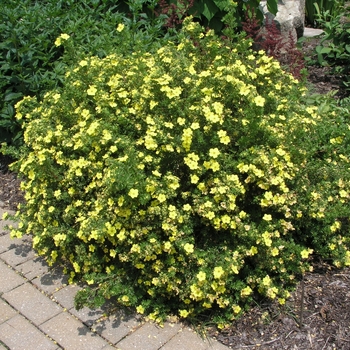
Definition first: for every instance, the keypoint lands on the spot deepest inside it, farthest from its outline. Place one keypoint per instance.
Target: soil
(316, 316)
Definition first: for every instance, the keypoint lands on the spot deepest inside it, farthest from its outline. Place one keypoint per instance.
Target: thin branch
(326, 343)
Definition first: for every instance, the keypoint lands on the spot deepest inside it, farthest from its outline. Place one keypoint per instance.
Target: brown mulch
(10, 193)
(316, 316)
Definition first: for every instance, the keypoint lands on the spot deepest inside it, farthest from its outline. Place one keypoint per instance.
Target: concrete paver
(186, 339)
(149, 337)
(51, 281)
(33, 268)
(6, 311)
(115, 328)
(7, 243)
(18, 333)
(33, 304)
(9, 279)
(65, 297)
(71, 334)
(18, 255)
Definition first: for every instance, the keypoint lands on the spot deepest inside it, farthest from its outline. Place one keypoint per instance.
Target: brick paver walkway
(37, 312)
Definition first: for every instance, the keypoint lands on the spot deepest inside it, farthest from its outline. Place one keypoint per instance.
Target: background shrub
(31, 63)
(327, 9)
(188, 180)
(334, 48)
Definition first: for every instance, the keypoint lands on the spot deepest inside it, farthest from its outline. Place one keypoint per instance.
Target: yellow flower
(305, 253)
(133, 193)
(161, 198)
(167, 246)
(274, 251)
(65, 36)
(201, 276)
(194, 179)
(267, 217)
(236, 309)
(218, 272)
(266, 281)
(189, 248)
(187, 207)
(246, 292)
(140, 309)
(83, 63)
(181, 121)
(120, 27)
(125, 298)
(259, 101)
(58, 41)
(214, 152)
(343, 193)
(91, 91)
(183, 313)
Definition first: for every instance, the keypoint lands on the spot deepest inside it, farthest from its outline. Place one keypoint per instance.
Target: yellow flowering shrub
(183, 181)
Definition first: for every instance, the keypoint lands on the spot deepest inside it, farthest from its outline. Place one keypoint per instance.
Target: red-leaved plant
(176, 12)
(270, 39)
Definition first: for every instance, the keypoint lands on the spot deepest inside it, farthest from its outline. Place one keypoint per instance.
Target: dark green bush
(189, 180)
(30, 62)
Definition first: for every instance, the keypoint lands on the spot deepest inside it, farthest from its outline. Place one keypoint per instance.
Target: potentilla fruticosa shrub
(178, 182)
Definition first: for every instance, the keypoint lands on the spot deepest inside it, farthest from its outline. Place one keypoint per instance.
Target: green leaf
(323, 50)
(221, 4)
(210, 9)
(272, 6)
(12, 96)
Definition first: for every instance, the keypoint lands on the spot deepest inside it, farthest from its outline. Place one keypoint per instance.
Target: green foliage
(334, 49)
(30, 62)
(328, 9)
(187, 180)
(213, 13)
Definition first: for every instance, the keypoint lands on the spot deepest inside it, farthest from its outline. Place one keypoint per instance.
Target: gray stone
(9, 279)
(289, 18)
(71, 334)
(18, 334)
(150, 337)
(32, 303)
(311, 32)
